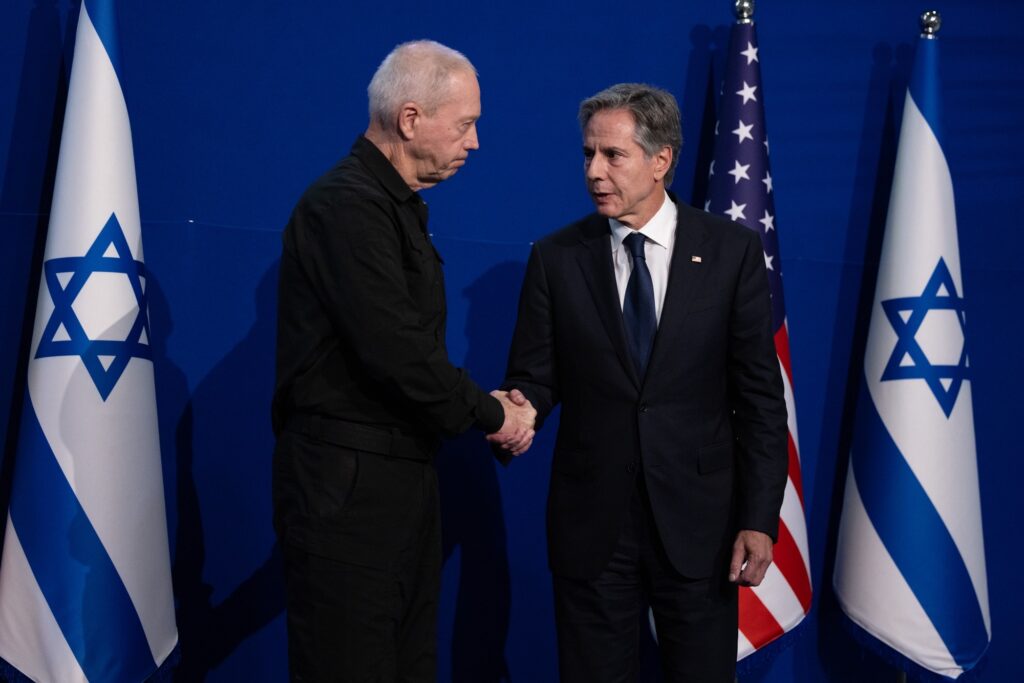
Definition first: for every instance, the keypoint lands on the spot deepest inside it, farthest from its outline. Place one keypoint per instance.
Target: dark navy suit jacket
(706, 427)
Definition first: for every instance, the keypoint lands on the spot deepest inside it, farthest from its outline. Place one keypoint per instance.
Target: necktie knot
(635, 243)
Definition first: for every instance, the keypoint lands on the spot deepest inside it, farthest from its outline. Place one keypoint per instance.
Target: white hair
(419, 71)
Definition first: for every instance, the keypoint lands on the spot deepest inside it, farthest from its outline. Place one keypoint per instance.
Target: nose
(472, 141)
(593, 168)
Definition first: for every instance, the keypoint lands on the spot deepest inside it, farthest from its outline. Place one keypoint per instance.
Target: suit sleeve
(531, 360)
(354, 260)
(757, 399)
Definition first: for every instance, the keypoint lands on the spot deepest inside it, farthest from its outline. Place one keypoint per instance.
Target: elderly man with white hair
(365, 389)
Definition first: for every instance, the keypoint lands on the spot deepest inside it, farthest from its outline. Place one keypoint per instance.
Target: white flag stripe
(780, 600)
(743, 646)
(876, 596)
(94, 96)
(927, 223)
(116, 492)
(792, 510)
(30, 639)
(790, 406)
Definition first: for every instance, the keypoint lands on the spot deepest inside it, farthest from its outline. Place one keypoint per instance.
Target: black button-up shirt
(361, 309)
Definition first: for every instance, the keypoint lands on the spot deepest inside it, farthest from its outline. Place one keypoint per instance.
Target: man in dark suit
(650, 322)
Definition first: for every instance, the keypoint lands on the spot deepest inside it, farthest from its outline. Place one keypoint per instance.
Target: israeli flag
(910, 565)
(85, 581)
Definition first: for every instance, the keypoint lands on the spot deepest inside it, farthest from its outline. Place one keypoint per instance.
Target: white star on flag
(711, 169)
(736, 210)
(747, 92)
(768, 261)
(750, 53)
(768, 221)
(743, 132)
(740, 172)
(767, 180)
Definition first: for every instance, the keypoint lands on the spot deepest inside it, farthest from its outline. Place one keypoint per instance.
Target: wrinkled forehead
(610, 127)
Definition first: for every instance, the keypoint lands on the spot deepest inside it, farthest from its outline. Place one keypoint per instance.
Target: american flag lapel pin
(695, 259)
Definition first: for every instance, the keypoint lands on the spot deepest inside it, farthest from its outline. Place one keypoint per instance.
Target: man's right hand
(516, 434)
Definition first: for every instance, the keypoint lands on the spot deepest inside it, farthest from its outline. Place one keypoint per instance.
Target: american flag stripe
(791, 510)
(790, 562)
(757, 625)
(740, 186)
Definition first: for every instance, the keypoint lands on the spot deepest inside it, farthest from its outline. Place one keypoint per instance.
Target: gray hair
(418, 71)
(654, 111)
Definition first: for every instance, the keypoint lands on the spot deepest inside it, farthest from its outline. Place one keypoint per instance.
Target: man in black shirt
(364, 386)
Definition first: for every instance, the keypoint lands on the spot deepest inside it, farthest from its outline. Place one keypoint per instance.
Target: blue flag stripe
(924, 84)
(916, 537)
(76, 576)
(104, 20)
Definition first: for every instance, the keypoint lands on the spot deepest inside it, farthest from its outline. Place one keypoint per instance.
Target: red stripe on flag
(790, 562)
(782, 350)
(757, 623)
(794, 469)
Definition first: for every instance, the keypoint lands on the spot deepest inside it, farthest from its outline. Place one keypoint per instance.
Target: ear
(662, 162)
(409, 115)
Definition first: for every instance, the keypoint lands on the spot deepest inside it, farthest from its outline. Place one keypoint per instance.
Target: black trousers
(598, 620)
(362, 539)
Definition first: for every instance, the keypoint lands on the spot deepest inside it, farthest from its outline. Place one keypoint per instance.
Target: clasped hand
(516, 434)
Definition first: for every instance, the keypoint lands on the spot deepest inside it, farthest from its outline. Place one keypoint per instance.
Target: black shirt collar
(382, 169)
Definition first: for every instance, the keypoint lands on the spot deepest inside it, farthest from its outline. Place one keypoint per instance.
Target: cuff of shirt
(490, 415)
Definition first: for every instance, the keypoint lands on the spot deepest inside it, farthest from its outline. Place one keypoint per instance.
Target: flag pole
(931, 22)
(744, 11)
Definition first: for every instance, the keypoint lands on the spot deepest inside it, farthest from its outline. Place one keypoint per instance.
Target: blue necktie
(638, 306)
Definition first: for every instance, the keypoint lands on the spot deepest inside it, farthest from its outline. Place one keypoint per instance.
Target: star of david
(944, 380)
(64, 334)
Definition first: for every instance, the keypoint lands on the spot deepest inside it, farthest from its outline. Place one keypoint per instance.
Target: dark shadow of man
(472, 518)
(213, 432)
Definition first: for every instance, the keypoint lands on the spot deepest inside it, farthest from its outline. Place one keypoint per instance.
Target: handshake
(516, 434)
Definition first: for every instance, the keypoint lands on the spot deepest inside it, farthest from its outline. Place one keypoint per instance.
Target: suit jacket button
(631, 467)
(643, 407)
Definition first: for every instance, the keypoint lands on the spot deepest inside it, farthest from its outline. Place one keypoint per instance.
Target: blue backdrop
(237, 106)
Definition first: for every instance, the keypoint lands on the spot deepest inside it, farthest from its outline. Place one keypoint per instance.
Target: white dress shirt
(660, 239)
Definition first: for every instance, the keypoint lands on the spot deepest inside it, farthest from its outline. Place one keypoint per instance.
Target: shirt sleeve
(531, 361)
(353, 258)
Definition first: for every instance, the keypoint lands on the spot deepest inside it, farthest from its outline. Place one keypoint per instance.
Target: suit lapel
(684, 279)
(595, 260)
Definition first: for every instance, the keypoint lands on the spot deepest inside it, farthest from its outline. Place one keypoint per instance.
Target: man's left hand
(751, 555)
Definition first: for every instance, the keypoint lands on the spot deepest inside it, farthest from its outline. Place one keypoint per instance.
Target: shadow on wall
(876, 158)
(223, 513)
(698, 110)
(25, 206)
(471, 510)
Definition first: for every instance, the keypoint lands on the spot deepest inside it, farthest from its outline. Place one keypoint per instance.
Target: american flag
(740, 186)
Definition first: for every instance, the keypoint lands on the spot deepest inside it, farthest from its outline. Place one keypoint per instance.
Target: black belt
(362, 437)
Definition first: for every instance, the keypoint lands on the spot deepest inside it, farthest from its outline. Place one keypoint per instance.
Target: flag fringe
(163, 674)
(915, 672)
